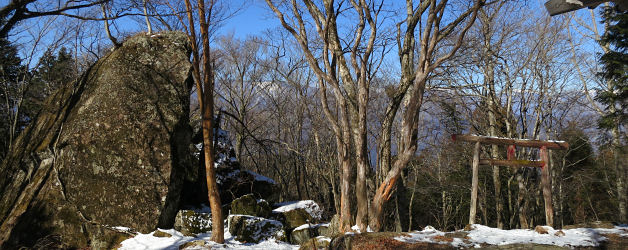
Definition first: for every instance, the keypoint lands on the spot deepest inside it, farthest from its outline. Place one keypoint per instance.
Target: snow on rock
(149, 242)
(304, 226)
(574, 2)
(193, 221)
(237, 174)
(578, 237)
(259, 177)
(310, 206)
(427, 235)
(123, 229)
(254, 229)
(356, 229)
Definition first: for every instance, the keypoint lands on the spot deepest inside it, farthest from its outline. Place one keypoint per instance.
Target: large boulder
(111, 149)
(234, 183)
(296, 213)
(191, 222)
(248, 205)
(252, 229)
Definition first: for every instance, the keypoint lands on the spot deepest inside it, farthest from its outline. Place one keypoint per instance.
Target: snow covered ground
(150, 242)
(486, 235)
(478, 236)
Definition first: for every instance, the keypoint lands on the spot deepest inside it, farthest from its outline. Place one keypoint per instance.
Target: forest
(351, 104)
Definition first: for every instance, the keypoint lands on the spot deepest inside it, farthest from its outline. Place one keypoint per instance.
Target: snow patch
(578, 237)
(304, 226)
(427, 235)
(356, 229)
(150, 242)
(573, 237)
(574, 2)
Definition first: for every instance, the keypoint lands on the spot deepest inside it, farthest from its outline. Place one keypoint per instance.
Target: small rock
(559, 233)
(305, 232)
(196, 243)
(542, 229)
(161, 234)
(320, 242)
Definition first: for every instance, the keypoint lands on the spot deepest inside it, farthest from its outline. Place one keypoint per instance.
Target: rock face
(111, 149)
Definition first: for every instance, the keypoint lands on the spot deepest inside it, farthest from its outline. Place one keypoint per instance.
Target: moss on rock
(248, 205)
(294, 218)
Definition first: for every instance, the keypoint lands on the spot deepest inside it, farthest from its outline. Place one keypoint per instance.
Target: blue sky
(253, 19)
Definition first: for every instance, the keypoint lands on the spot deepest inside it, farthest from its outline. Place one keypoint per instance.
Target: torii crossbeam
(544, 146)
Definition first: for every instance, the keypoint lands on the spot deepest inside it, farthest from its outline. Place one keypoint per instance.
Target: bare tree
(210, 15)
(352, 95)
(240, 84)
(19, 10)
(415, 75)
(348, 77)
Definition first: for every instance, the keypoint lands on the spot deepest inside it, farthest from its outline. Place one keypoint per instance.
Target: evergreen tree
(51, 73)
(615, 67)
(10, 74)
(615, 96)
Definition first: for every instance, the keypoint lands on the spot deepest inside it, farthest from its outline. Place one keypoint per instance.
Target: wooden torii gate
(544, 146)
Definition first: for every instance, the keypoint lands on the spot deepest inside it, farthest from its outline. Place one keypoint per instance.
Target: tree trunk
(621, 172)
(148, 26)
(547, 187)
(210, 171)
(208, 132)
(345, 188)
(521, 200)
(474, 183)
(499, 205)
(492, 102)
(361, 156)
(103, 10)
